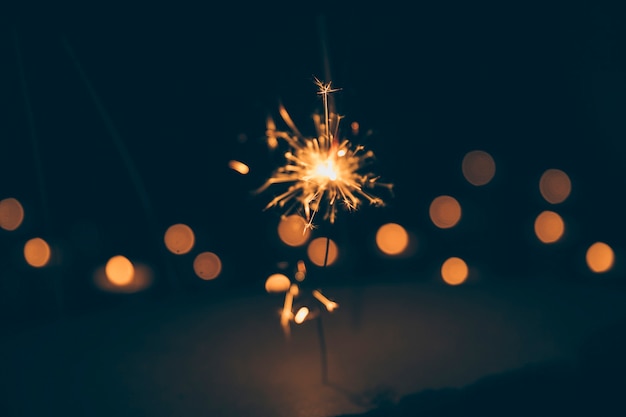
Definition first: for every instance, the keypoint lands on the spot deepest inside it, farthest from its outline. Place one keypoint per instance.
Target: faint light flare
(323, 170)
(454, 271)
(142, 278)
(11, 214)
(37, 252)
(330, 305)
(119, 270)
(478, 167)
(179, 239)
(445, 211)
(600, 257)
(555, 186)
(549, 226)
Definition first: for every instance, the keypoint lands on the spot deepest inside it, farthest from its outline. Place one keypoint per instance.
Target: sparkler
(322, 171)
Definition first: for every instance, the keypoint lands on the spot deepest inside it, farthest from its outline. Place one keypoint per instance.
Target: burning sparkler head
(321, 171)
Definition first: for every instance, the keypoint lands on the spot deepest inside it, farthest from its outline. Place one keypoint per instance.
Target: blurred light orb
(207, 266)
(179, 239)
(549, 226)
(317, 251)
(454, 271)
(37, 252)
(392, 239)
(478, 167)
(277, 283)
(11, 214)
(292, 230)
(445, 211)
(119, 270)
(600, 257)
(555, 186)
(239, 167)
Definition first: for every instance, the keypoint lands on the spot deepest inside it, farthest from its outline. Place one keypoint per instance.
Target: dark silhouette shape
(593, 385)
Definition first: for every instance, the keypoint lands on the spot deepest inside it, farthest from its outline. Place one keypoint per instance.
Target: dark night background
(188, 88)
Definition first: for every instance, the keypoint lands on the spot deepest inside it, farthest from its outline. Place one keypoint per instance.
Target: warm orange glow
(11, 214)
(555, 186)
(292, 230)
(600, 257)
(301, 315)
(317, 251)
(277, 283)
(445, 212)
(179, 239)
(207, 265)
(392, 239)
(478, 167)
(454, 271)
(238, 166)
(330, 305)
(301, 272)
(37, 252)
(549, 226)
(142, 278)
(119, 270)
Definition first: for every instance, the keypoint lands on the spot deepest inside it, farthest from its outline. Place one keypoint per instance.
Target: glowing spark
(238, 166)
(330, 305)
(286, 313)
(322, 170)
(301, 315)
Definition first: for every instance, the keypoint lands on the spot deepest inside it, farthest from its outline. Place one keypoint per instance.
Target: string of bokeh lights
(392, 240)
(119, 274)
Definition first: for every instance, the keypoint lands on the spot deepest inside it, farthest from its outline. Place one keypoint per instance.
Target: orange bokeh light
(37, 252)
(549, 226)
(317, 251)
(179, 239)
(392, 239)
(478, 167)
(277, 283)
(454, 271)
(445, 211)
(555, 186)
(11, 214)
(119, 270)
(207, 265)
(600, 257)
(292, 230)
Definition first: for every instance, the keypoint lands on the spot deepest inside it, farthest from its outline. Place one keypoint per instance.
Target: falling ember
(287, 306)
(322, 171)
(238, 166)
(301, 315)
(330, 305)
